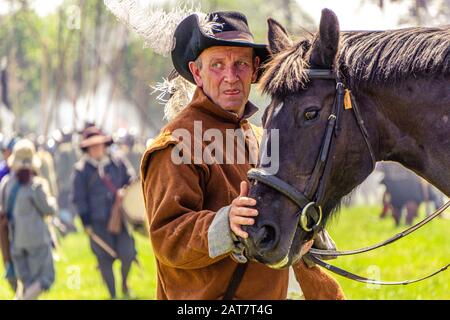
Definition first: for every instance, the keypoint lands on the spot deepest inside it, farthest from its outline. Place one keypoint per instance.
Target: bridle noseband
(310, 202)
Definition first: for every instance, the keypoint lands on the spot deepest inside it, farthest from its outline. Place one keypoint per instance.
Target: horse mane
(366, 57)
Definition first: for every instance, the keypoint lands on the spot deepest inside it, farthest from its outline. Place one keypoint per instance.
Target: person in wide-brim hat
(97, 185)
(24, 156)
(29, 241)
(202, 201)
(229, 29)
(93, 136)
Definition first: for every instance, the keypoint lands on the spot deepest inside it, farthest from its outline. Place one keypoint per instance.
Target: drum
(134, 207)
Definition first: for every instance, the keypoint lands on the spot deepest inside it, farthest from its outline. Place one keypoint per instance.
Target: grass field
(420, 253)
(77, 276)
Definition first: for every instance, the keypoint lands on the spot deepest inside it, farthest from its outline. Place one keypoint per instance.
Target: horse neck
(413, 128)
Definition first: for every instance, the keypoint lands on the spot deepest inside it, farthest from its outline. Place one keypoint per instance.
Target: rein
(309, 202)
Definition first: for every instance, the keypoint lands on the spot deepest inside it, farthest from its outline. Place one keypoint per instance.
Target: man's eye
(311, 115)
(217, 65)
(242, 63)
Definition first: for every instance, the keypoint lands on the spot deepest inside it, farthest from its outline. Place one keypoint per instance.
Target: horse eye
(311, 114)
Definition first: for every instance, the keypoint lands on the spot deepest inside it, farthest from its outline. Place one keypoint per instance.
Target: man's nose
(231, 75)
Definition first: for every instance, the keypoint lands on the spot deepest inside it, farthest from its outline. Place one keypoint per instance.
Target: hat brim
(191, 41)
(95, 140)
(16, 164)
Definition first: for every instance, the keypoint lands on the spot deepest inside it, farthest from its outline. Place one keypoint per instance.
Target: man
(65, 158)
(131, 148)
(7, 146)
(97, 185)
(26, 201)
(188, 204)
(47, 169)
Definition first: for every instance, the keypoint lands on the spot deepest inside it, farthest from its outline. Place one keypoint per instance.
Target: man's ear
(256, 64)
(196, 74)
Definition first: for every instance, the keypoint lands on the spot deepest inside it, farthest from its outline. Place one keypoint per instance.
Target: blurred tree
(422, 12)
(51, 61)
(287, 12)
(71, 54)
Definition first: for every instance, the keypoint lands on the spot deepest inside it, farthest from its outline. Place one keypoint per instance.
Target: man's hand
(120, 193)
(88, 230)
(239, 214)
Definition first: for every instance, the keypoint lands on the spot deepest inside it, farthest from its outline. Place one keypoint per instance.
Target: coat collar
(201, 102)
(107, 160)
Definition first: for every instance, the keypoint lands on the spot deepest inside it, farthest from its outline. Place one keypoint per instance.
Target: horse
(341, 102)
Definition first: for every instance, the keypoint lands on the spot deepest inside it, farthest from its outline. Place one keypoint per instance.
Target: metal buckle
(304, 217)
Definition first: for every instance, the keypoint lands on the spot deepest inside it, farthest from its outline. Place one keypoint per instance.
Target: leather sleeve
(174, 200)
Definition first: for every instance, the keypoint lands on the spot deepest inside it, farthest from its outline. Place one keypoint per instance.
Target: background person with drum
(98, 182)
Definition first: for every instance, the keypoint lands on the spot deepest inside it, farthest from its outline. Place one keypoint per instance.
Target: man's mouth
(232, 92)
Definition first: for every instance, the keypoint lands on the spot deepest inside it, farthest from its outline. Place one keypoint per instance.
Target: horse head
(329, 137)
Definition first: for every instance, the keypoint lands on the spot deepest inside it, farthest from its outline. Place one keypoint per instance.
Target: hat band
(234, 36)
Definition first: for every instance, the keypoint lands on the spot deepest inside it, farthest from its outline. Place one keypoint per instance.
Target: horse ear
(278, 37)
(326, 45)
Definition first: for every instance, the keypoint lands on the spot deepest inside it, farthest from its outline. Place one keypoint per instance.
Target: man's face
(97, 151)
(6, 153)
(226, 75)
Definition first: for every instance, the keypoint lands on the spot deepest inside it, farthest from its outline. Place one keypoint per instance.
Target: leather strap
(235, 281)
(355, 277)
(320, 74)
(276, 183)
(363, 129)
(108, 183)
(319, 252)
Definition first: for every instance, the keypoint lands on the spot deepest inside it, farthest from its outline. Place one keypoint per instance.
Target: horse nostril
(265, 237)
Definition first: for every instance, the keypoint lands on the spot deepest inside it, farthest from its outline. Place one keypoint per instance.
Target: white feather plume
(157, 28)
(155, 25)
(174, 94)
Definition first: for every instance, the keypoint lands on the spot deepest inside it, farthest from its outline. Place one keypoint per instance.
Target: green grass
(419, 254)
(77, 276)
(416, 255)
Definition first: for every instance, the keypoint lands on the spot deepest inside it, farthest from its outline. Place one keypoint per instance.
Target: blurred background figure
(6, 145)
(65, 156)
(47, 169)
(26, 201)
(130, 147)
(405, 191)
(98, 184)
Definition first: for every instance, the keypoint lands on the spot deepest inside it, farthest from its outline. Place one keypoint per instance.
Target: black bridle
(310, 202)
(310, 215)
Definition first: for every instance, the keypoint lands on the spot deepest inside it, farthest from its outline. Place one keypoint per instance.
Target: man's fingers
(244, 202)
(243, 221)
(244, 189)
(238, 231)
(239, 212)
(242, 211)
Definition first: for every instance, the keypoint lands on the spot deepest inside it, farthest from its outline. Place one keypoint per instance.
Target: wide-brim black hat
(190, 39)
